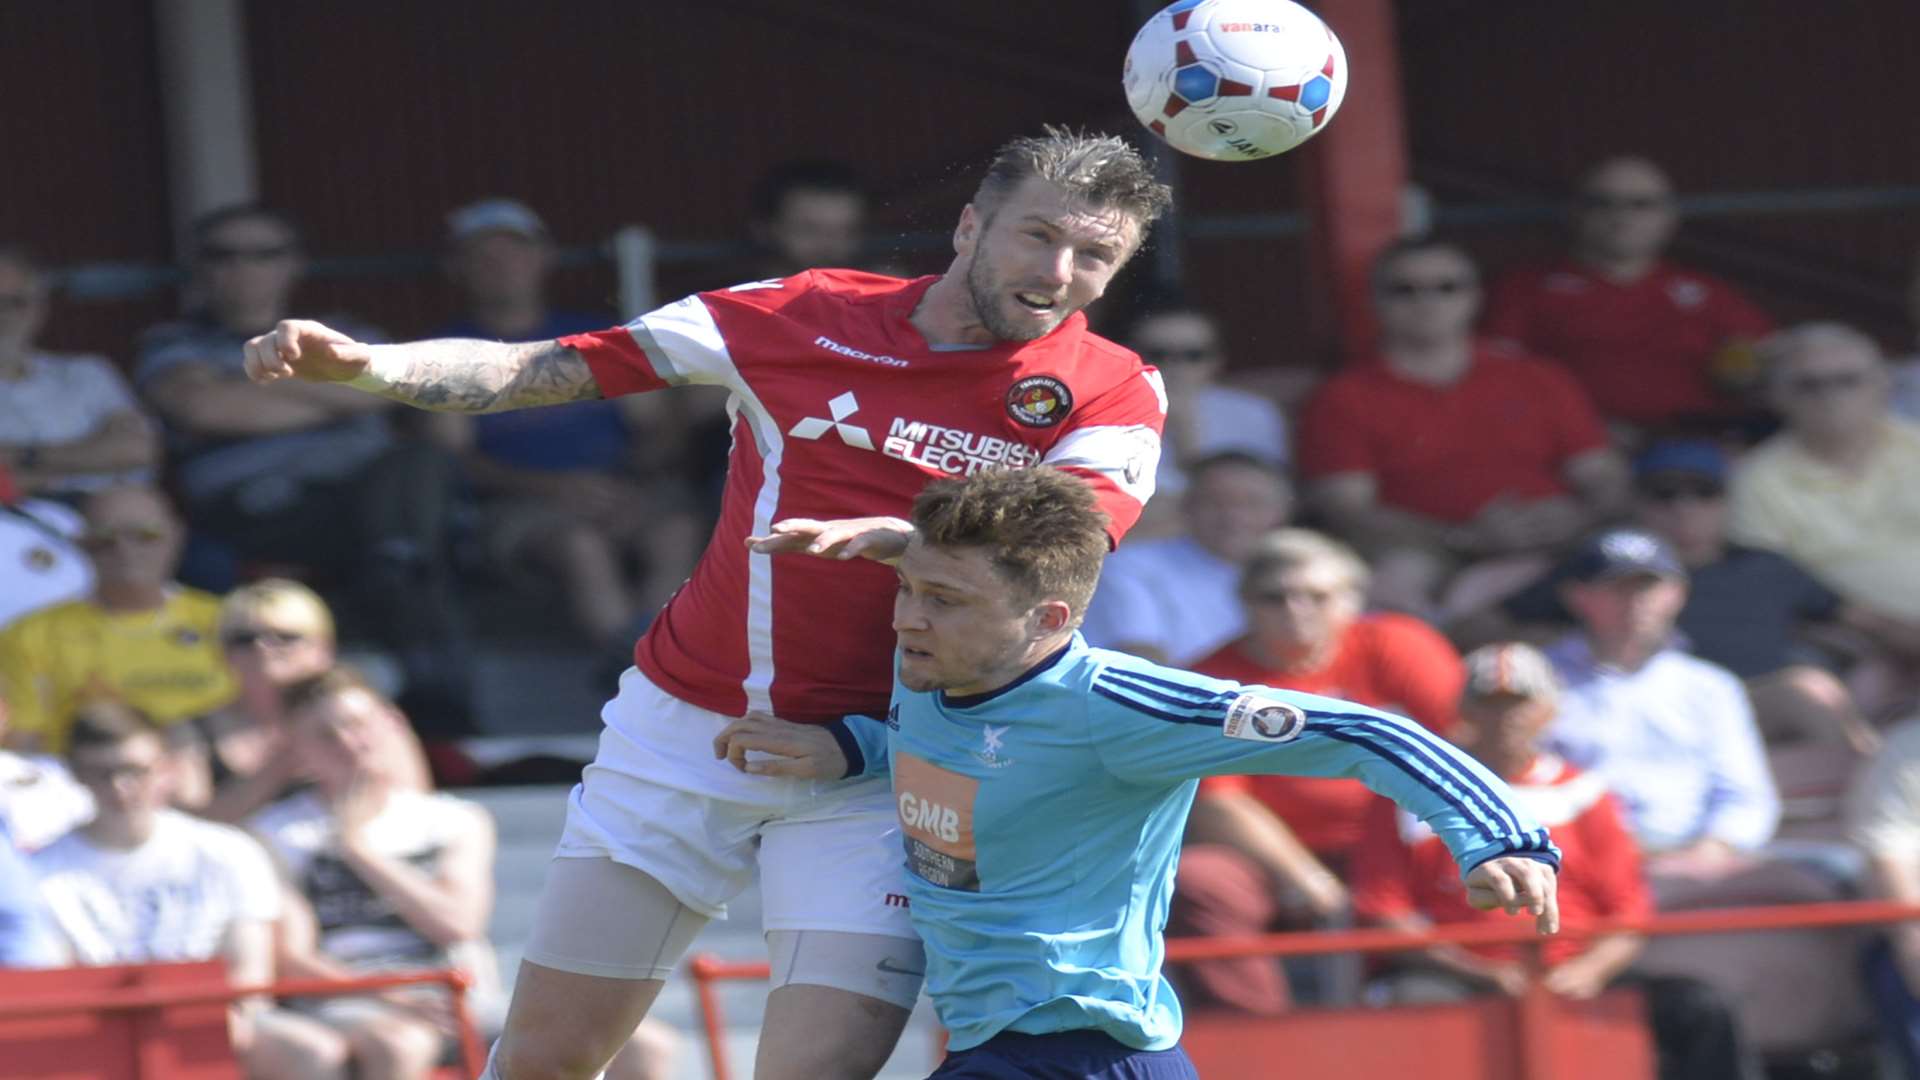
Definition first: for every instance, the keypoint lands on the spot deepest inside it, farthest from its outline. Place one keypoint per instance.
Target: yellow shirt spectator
(166, 661)
(1858, 533)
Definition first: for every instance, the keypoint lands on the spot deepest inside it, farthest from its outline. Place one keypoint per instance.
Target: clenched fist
(303, 349)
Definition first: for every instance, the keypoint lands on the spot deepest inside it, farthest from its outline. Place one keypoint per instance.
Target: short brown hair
(1040, 528)
(1285, 549)
(1101, 171)
(107, 721)
(325, 686)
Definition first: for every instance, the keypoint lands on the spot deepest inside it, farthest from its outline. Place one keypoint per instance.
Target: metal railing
(1535, 1051)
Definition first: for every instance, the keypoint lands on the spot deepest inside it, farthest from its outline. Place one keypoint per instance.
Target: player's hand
(805, 751)
(303, 349)
(882, 539)
(1517, 884)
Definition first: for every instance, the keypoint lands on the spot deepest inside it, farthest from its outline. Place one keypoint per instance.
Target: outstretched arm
(449, 375)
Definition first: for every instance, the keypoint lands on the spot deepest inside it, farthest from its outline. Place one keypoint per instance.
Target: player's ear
(967, 233)
(1052, 616)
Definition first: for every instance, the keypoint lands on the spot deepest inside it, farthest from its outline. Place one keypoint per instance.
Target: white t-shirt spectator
(174, 898)
(357, 927)
(39, 800)
(1906, 388)
(1235, 420)
(1171, 594)
(63, 399)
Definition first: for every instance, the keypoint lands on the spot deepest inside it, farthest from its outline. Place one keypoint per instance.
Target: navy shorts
(1066, 1055)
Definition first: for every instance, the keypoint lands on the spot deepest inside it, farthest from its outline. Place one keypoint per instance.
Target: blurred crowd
(1648, 556)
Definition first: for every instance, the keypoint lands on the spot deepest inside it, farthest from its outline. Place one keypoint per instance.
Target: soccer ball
(1235, 80)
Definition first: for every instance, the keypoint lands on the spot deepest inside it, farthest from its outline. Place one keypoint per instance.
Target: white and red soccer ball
(1235, 80)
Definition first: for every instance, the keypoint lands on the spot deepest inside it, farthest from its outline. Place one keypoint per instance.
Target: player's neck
(1036, 654)
(945, 314)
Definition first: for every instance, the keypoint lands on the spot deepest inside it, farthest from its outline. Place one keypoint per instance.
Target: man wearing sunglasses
(276, 473)
(140, 636)
(1654, 343)
(1443, 456)
(1836, 491)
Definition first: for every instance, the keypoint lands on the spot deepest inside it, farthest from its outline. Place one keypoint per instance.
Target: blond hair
(290, 604)
(1286, 549)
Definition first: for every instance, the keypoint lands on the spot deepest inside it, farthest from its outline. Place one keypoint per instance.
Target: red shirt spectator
(1401, 868)
(1387, 661)
(1645, 350)
(1509, 426)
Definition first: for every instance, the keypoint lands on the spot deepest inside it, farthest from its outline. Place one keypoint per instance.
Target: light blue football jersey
(1042, 824)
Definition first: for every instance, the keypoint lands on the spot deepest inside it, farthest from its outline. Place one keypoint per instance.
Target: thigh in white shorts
(656, 799)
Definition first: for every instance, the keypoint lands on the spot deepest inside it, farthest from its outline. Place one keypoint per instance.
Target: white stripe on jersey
(684, 345)
(1126, 455)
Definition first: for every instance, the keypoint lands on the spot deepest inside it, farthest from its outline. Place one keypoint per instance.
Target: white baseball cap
(495, 215)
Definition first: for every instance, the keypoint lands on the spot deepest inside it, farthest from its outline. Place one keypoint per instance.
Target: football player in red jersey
(850, 391)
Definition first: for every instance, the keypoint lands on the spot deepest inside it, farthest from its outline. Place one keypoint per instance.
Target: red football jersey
(841, 409)
(1384, 661)
(1401, 868)
(1507, 427)
(1644, 350)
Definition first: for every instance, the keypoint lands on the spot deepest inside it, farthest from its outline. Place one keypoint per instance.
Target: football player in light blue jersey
(1043, 785)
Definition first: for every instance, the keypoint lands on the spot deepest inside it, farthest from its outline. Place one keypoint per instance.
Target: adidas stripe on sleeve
(1157, 725)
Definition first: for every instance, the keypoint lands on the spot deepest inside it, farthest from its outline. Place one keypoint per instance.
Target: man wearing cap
(560, 494)
(1399, 880)
(1747, 608)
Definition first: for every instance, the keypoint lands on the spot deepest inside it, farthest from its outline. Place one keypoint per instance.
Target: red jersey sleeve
(1380, 876)
(670, 346)
(1113, 443)
(1334, 431)
(1225, 785)
(1419, 670)
(1610, 863)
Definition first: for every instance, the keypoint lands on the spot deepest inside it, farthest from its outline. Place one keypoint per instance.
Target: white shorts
(656, 799)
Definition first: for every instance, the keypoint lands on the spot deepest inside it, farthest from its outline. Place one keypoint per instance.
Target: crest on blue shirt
(1263, 719)
(990, 746)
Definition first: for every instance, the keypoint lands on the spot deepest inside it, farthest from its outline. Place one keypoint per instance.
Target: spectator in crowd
(1401, 880)
(68, 424)
(1444, 452)
(807, 213)
(39, 799)
(1175, 599)
(140, 636)
(308, 475)
(1883, 821)
(566, 491)
(383, 876)
(1272, 850)
(1672, 735)
(142, 883)
(1835, 492)
(1657, 346)
(27, 938)
(276, 633)
(1204, 418)
(1748, 609)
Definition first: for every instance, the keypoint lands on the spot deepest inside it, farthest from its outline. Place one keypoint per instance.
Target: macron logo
(852, 353)
(813, 427)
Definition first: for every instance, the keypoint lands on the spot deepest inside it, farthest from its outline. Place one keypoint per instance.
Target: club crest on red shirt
(1039, 401)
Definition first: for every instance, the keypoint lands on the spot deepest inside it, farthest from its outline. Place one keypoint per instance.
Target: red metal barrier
(158, 997)
(1535, 1052)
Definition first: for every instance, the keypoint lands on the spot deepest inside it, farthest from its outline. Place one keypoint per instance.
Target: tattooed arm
(450, 375)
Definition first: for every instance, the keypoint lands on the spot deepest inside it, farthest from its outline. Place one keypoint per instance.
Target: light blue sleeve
(1155, 725)
(863, 739)
(1743, 806)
